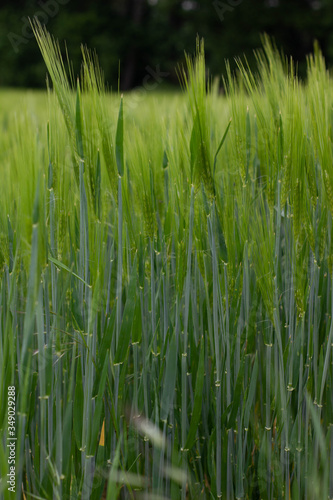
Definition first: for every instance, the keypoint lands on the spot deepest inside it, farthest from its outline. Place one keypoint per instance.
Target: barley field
(166, 292)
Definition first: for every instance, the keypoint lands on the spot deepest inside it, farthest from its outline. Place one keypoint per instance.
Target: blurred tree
(135, 11)
(155, 33)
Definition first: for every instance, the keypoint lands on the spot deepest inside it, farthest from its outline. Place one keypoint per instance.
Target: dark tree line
(150, 36)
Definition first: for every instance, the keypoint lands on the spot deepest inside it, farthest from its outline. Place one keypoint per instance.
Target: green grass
(166, 284)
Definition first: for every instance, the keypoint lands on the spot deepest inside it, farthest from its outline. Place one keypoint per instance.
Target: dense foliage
(141, 33)
(166, 285)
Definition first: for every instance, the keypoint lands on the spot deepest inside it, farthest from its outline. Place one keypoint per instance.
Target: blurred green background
(147, 38)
